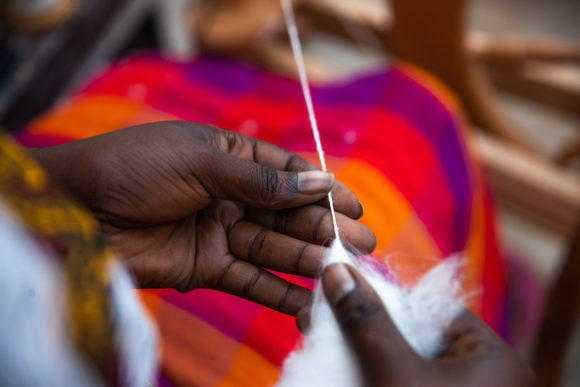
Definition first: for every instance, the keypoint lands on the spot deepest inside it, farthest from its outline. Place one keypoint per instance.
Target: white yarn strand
(299, 59)
(421, 314)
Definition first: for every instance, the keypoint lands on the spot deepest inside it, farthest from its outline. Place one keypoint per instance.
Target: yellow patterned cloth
(72, 237)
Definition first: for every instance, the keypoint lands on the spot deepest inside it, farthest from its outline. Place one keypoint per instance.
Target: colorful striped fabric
(396, 138)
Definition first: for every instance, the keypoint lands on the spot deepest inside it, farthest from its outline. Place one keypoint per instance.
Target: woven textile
(396, 138)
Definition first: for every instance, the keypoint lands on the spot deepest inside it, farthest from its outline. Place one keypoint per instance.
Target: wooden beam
(553, 85)
(531, 186)
(362, 23)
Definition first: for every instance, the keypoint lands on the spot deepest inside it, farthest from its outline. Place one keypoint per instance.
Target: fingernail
(338, 280)
(313, 182)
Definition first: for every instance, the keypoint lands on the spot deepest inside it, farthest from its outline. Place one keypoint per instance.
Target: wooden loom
(433, 35)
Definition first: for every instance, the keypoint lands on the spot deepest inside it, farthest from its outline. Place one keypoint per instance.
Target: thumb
(259, 186)
(383, 354)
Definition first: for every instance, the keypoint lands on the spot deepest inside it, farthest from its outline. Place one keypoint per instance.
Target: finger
(227, 177)
(468, 335)
(313, 223)
(303, 320)
(272, 250)
(275, 157)
(379, 346)
(476, 352)
(252, 283)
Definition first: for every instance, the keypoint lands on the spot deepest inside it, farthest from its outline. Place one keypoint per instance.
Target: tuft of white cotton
(421, 314)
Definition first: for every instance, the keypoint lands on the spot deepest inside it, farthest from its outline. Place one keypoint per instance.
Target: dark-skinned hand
(475, 356)
(192, 206)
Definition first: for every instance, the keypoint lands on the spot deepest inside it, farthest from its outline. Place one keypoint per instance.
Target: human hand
(476, 356)
(191, 206)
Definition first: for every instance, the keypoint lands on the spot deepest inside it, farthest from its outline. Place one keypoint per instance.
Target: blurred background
(515, 66)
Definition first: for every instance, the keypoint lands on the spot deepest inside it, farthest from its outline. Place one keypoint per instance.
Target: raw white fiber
(421, 314)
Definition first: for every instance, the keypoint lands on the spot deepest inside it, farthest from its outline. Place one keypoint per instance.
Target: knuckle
(318, 226)
(281, 221)
(300, 258)
(257, 245)
(249, 286)
(285, 297)
(223, 140)
(268, 184)
(356, 312)
(231, 140)
(292, 163)
(215, 139)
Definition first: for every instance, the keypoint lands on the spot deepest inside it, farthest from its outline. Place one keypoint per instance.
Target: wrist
(50, 159)
(67, 166)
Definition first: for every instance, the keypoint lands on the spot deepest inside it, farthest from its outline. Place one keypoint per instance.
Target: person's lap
(396, 138)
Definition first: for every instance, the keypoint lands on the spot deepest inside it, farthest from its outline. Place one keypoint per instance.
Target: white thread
(299, 59)
(421, 314)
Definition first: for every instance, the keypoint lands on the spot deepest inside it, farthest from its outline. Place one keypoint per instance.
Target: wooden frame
(433, 35)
